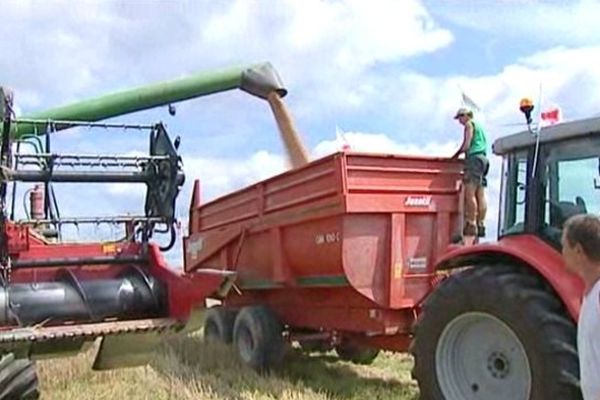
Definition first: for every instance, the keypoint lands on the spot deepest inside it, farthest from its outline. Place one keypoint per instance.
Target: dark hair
(584, 229)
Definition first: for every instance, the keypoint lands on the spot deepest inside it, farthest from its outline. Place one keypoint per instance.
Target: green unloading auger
(260, 80)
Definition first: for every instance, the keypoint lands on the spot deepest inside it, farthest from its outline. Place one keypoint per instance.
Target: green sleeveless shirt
(478, 141)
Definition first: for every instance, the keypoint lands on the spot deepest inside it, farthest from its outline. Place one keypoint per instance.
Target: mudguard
(527, 250)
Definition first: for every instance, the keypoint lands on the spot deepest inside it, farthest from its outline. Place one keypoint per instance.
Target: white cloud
(117, 44)
(566, 76)
(362, 33)
(380, 143)
(548, 22)
(219, 176)
(423, 106)
(350, 34)
(327, 52)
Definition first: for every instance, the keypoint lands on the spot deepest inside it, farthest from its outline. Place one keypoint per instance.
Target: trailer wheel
(257, 335)
(218, 325)
(356, 354)
(495, 332)
(18, 379)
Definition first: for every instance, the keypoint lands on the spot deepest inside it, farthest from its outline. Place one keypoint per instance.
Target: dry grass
(185, 368)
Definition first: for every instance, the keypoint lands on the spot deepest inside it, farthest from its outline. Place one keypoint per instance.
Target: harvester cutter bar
(69, 261)
(87, 160)
(123, 343)
(86, 331)
(93, 220)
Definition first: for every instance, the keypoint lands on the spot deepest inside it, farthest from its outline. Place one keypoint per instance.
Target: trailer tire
(18, 379)
(257, 336)
(356, 354)
(218, 325)
(495, 332)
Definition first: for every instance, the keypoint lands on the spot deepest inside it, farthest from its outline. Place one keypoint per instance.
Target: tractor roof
(567, 130)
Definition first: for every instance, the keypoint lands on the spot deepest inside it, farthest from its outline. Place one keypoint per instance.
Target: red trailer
(342, 250)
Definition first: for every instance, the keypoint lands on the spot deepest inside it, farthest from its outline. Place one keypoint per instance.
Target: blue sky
(386, 72)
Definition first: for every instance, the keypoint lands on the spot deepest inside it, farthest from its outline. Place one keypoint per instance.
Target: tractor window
(572, 186)
(571, 190)
(514, 183)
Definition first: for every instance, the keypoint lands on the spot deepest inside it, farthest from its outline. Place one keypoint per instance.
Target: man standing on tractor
(581, 253)
(475, 173)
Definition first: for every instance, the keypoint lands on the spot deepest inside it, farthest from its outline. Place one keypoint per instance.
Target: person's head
(463, 115)
(581, 244)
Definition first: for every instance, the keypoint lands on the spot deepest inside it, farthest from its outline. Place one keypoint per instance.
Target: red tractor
(354, 252)
(503, 325)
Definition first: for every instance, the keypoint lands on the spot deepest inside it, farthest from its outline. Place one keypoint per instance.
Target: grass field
(185, 368)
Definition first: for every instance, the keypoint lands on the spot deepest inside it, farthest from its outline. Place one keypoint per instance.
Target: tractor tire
(218, 325)
(257, 336)
(18, 379)
(356, 354)
(495, 332)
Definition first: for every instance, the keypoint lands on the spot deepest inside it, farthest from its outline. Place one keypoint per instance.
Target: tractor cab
(510, 329)
(548, 178)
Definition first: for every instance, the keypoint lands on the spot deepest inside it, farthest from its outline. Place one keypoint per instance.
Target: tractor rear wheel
(257, 335)
(18, 379)
(218, 325)
(356, 354)
(495, 332)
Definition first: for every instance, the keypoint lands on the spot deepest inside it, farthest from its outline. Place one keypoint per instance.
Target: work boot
(470, 229)
(457, 238)
(480, 230)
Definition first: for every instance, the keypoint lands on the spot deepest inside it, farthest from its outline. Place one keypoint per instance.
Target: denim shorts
(476, 169)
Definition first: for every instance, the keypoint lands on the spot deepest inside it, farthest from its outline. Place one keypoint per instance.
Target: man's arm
(468, 135)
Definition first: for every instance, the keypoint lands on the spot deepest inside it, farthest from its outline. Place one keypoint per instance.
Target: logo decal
(417, 201)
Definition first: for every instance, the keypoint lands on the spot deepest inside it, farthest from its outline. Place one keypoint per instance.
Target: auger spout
(259, 80)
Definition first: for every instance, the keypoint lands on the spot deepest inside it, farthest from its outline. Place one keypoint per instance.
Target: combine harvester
(57, 296)
(354, 252)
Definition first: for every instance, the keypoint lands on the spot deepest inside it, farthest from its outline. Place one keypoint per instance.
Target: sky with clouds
(386, 72)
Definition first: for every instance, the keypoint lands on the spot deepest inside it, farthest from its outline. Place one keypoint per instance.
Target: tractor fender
(529, 251)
